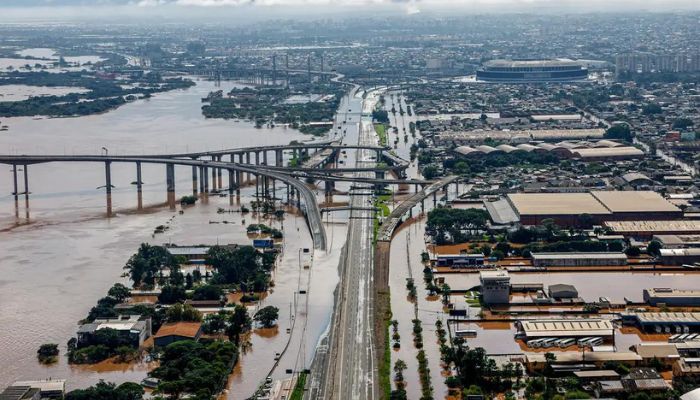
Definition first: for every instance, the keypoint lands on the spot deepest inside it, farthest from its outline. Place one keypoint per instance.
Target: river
(61, 254)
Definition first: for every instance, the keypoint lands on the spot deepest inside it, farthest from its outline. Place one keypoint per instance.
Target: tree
(119, 292)
(498, 255)
(654, 248)
(238, 323)
(430, 172)
(399, 367)
(267, 316)
(207, 292)
(47, 353)
(183, 313)
(108, 391)
(446, 292)
(619, 132)
(171, 294)
(633, 251)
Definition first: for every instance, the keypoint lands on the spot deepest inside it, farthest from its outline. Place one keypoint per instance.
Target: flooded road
(62, 254)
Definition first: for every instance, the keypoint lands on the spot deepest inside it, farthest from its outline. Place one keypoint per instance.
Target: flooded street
(62, 254)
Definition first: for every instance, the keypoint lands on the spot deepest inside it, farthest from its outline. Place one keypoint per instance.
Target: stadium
(560, 70)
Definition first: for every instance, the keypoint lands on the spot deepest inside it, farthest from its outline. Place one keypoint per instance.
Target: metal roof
(556, 204)
(634, 201)
(567, 327)
(589, 255)
(531, 63)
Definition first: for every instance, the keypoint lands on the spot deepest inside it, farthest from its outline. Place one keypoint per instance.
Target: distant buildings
(35, 390)
(672, 297)
(646, 62)
(459, 260)
(566, 328)
(578, 259)
(531, 71)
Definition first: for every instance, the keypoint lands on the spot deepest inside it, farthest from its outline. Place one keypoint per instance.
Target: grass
(298, 393)
(381, 132)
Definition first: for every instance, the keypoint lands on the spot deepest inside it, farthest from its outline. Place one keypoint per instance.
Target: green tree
(207, 292)
(47, 353)
(267, 316)
(119, 292)
(654, 248)
(183, 313)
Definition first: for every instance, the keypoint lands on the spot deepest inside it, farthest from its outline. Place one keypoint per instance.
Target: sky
(35, 9)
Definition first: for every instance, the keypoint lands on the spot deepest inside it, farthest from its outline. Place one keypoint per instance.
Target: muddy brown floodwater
(62, 254)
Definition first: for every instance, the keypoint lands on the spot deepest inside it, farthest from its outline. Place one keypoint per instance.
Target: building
(495, 287)
(562, 291)
(20, 393)
(575, 359)
(176, 331)
(35, 390)
(193, 254)
(672, 297)
(578, 259)
(49, 388)
(563, 328)
(663, 322)
(134, 327)
(644, 379)
(459, 260)
(559, 70)
(677, 241)
(602, 206)
(679, 256)
(648, 228)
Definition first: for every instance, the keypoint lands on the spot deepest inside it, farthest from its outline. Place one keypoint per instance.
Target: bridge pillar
(238, 183)
(26, 182)
(108, 185)
(329, 187)
(288, 203)
(219, 174)
(194, 181)
(139, 186)
(379, 156)
(231, 184)
(201, 180)
(213, 179)
(257, 158)
(257, 188)
(14, 179)
(247, 161)
(205, 175)
(434, 199)
(264, 153)
(170, 183)
(422, 206)
(279, 160)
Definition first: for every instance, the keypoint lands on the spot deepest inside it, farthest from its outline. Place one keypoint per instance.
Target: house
(644, 379)
(134, 327)
(176, 331)
(562, 291)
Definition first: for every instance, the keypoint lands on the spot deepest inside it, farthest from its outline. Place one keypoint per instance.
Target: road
(344, 364)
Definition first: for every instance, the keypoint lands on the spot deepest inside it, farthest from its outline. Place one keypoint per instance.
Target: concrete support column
(14, 180)
(26, 182)
(213, 178)
(219, 174)
(279, 159)
(108, 185)
(139, 186)
(170, 183)
(201, 180)
(257, 158)
(247, 161)
(205, 175)
(257, 188)
(231, 184)
(238, 183)
(264, 153)
(434, 199)
(194, 181)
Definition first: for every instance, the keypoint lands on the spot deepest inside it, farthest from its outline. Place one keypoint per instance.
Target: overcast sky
(36, 9)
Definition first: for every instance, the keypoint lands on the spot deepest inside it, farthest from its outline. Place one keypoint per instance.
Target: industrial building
(35, 390)
(559, 70)
(677, 241)
(672, 297)
(679, 256)
(459, 260)
(562, 291)
(578, 259)
(566, 328)
(664, 322)
(602, 206)
(648, 228)
(584, 150)
(495, 287)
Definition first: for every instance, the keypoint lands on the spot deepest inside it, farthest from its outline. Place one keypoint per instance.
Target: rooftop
(493, 274)
(567, 327)
(680, 252)
(184, 329)
(668, 317)
(587, 255)
(654, 226)
(668, 292)
(556, 204)
(634, 201)
(531, 63)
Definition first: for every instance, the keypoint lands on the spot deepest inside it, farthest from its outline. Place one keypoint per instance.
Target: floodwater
(61, 254)
(23, 92)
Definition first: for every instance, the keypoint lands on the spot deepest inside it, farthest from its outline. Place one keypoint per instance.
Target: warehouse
(602, 206)
(564, 208)
(664, 322)
(677, 241)
(459, 260)
(679, 256)
(560, 328)
(672, 297)
(578, 259)
(648, 228)
(562, 291)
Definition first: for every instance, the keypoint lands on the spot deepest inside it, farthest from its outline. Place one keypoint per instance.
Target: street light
(106, 151)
